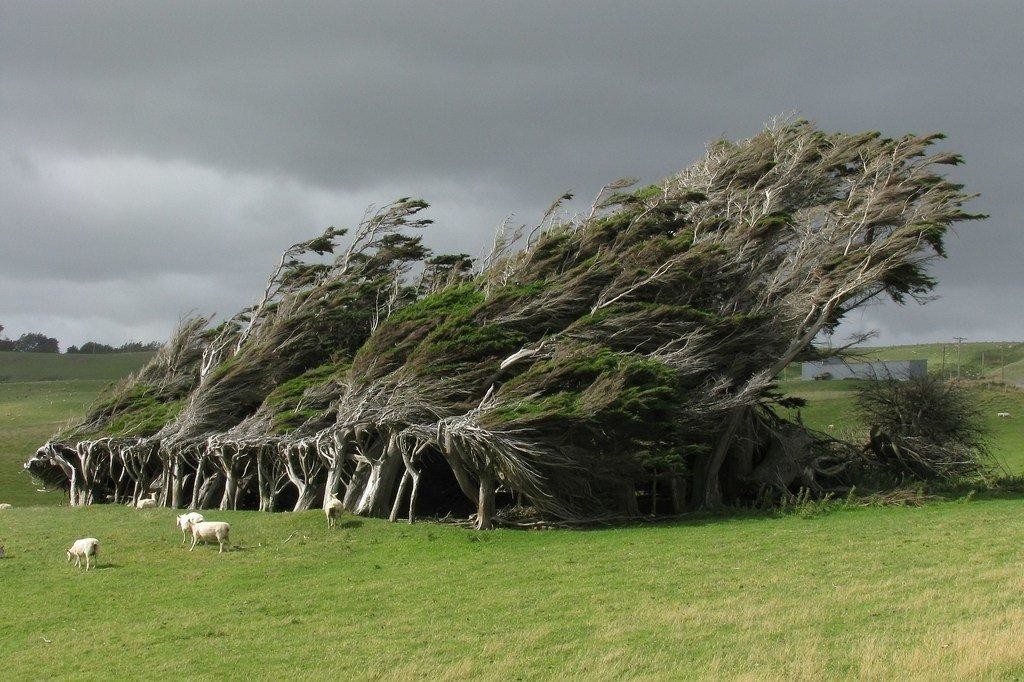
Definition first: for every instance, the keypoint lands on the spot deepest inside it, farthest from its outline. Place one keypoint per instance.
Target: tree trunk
(413, 496)
(630, 507)
(307, 496)
(379, 486)
(485, 505)
(462, 478)
(209, 491)
(227, 501)
(176, 484)
(707, 492)
(398, 497)
(677, 487)
(197, 486)
(356, 486)
(333, 485)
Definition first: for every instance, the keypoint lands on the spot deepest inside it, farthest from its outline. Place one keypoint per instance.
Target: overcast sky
(155, 159)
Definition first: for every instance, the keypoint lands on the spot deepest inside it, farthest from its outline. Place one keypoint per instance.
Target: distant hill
(983, 360)
(20, 367)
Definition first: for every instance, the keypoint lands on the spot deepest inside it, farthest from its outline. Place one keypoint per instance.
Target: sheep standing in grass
(1003, 415)
(146, 504)
(332, 509)
(5, 505)
(184, 520)
(208, 531)
(84, 548)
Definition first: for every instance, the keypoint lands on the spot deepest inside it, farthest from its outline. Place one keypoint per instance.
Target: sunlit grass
(864, 592)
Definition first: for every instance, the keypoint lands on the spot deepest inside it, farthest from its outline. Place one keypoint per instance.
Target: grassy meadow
(39, 392)
(929, 592)
(833, 402)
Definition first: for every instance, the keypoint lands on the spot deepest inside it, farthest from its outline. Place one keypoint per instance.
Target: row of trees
(588, 367)
(29, 343)
(34, 342)
(97, 348)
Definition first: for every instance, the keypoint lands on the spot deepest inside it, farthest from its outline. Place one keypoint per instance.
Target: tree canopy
(566, 373)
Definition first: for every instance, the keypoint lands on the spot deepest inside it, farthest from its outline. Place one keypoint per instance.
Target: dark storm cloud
(153, 159)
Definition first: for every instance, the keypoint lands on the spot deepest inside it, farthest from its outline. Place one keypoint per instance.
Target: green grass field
(39, 392)
(933, 592)
(983, 360)
(833, 402)
(18, 367)
(930, 593)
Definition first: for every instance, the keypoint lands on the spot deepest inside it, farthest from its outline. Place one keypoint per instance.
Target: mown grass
(932, 592)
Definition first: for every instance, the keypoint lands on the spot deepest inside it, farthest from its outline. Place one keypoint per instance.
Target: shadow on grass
(349, 523)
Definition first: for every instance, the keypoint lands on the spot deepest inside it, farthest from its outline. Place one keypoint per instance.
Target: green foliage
(144, 416)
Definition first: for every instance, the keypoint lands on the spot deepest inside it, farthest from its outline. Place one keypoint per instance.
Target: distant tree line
(95, 347)
(34, 342)
(30, 343)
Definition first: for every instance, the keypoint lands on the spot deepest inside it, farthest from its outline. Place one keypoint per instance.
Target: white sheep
(207, 531)
(831, 427)
(1003, 415)
(84, 548)
(184, 520)
(332, 509)
(5, 505)
(146, 504)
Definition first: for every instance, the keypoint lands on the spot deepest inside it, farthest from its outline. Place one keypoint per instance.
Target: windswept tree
(582, 369)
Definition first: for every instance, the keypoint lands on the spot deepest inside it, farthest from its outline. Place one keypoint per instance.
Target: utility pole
(942, 372)
(1002, 366)
(959, 340)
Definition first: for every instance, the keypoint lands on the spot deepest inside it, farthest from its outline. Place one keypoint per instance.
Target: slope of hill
(834, 402)
(977, 360)
(38, 393)
(53, 367)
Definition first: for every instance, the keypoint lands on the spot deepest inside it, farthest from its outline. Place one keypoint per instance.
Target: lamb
(332, 509)
(146, 504)
(184, 520)
(84, 548)
(1003, 415)
(209, 530)
(5, 505)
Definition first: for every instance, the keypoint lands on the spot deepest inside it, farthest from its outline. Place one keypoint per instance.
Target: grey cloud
(138, 141)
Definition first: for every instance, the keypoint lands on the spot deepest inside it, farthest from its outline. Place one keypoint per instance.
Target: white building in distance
(836, 368)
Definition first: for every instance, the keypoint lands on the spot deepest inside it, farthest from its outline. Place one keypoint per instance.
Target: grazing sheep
(831, 427)
(332, 509)
(146, 504)
(5, 505)
(184, 520)
(84, 548)
(1003, 415)
(207, 531)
